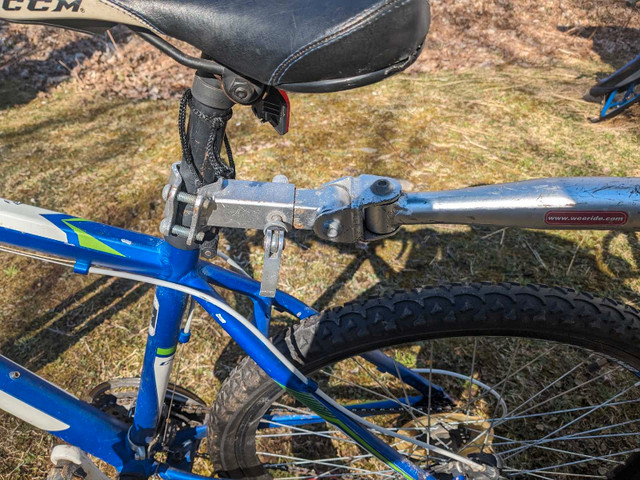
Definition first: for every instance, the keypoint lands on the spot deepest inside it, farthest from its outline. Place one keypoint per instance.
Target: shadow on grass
(527, 257)
(616, 45)
(22, 78)
(78, 315)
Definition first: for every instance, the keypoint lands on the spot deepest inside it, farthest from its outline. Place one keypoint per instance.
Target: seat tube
(170, 305)
(162, 341)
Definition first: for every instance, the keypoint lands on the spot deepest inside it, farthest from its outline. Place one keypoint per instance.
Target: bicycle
(351, 392)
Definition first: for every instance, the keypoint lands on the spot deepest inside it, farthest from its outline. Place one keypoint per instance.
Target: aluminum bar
(589, 203)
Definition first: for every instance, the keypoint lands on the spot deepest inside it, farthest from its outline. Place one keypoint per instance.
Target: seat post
(208, 99)
(203, 139)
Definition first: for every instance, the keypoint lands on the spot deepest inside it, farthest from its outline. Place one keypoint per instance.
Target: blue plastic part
(184, 337)
(637, 59)
(168, 473)
(82, 267)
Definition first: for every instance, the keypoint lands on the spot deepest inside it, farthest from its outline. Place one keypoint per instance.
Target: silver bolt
(332, 228)
(280, 179)
(275, 217)
(186, 198)
(14, 375)
(275, 243)
(180, 231)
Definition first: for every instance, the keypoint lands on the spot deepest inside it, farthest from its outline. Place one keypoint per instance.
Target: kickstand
(618, 101)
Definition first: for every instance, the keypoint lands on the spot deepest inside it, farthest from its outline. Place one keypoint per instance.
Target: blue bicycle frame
(93, 247)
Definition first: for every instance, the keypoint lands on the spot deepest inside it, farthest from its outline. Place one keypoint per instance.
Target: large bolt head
(240, 93)
(165, 227)
(382, 187)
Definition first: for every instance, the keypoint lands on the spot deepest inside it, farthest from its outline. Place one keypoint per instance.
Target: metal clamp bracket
(248, 205)
(338, 210)
(348, 210)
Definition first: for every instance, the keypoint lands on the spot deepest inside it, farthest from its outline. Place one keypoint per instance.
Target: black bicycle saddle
(296, 45)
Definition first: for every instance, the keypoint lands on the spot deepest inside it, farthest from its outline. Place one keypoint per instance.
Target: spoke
(577, 462)
(492, 390)
(599, 429)
(589, 412)
(473, 368)
(544, 414)
(404, 387)
(557, 450)
(607, 435)
(327, 462)
(580, 435)
(298, 434)
(486, 431)
(577, 387)
(407, 408)
(535, 475)
(309, 432)
(579, 475)
(559, 379)
(368, 390)
(506, 379)
(327, 474)
(568, 410)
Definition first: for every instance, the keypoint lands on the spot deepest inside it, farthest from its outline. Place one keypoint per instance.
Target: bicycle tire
(534, 311)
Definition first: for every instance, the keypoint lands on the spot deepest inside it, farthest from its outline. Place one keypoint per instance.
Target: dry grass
(108, 160)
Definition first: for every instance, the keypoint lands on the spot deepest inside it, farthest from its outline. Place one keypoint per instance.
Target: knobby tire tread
(536, 311)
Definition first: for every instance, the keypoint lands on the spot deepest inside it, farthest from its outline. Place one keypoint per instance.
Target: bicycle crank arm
(591, 203)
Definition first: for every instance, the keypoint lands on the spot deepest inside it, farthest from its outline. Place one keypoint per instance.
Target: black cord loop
(220, 168)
